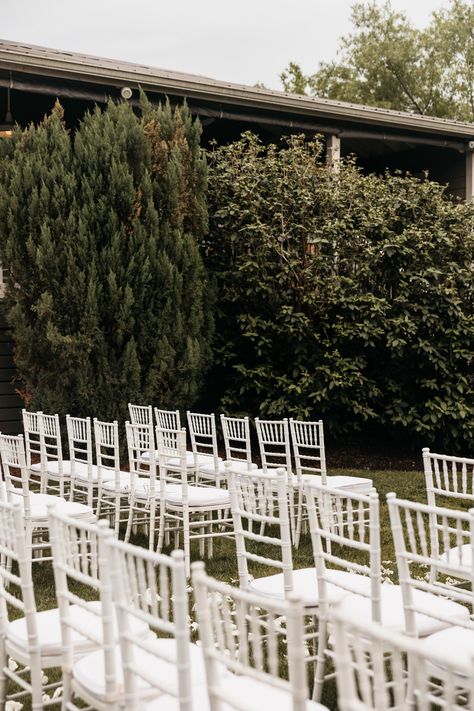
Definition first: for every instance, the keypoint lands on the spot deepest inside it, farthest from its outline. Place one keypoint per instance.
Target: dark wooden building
(31, 78)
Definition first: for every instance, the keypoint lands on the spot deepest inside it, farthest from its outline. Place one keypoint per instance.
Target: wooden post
(333, 152)
(470, 172)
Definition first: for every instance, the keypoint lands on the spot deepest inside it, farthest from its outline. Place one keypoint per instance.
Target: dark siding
(10, 402)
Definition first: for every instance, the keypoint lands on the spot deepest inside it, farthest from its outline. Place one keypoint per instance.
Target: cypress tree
(109, 300)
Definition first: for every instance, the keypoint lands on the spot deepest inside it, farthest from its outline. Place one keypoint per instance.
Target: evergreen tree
(109, 300)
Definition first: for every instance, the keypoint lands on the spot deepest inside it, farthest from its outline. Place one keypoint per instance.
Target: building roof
(24, 59)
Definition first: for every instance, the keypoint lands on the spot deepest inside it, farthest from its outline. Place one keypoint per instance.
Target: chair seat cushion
(460, 556)
(198, 496)
(49, 629)
(208, 468)
(89, 670)
(124, 483)
(52, 467)
(81, 473)
(256, 693)
(305, 585)
(393, 615)
(455, 642)
(174, 461)
(39, 506)
(356, 484)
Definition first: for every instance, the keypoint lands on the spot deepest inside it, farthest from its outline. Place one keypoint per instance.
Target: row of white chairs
(111, 659)
(169, 506)
(296, 446)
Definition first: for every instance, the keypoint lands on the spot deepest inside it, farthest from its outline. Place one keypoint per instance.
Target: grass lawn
(223, 565)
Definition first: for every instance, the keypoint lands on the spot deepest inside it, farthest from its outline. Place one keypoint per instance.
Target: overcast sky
(243, 41)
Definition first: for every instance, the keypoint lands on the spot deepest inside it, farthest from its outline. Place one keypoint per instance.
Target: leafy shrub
(371, 323)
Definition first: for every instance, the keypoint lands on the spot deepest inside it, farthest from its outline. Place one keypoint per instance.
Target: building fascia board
(73, 66)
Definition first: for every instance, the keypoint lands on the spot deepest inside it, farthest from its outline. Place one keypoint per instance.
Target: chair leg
(320, 660)
(130, 519)
(36, 684)
(99, 500)
(3, 678)
(299, 519)
(187, 543)
(161, 531)
(151, 531)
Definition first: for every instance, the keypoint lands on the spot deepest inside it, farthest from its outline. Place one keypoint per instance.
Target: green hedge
(108, 299)
(375, 327)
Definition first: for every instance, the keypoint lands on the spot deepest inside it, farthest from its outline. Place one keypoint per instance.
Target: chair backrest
(80, 564)
(168, 419)
(141, 452)
(448, 477)
(33, 439)
(151, 587)
(243, 632)
(441, 540)
(202, 430)
(274, 442)
(79, 435)
(308, 448)
(236, 431)
(15, 472)
(258, 501)
(140, 414)
(51, 434)
(372, 670)
(345, 533)
(107, 448)
(171, 444)
(16, 585)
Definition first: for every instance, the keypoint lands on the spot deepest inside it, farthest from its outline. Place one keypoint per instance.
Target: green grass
(223, 565)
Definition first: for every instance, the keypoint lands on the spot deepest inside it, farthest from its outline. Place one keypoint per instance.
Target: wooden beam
(333, 152)
(470, 173)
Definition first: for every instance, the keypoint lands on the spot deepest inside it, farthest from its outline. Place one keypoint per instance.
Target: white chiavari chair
(56, 469)
(207, 463)
(33, 446)
(151, 587)
(86, 478)
(171, 420)
(449, 481)
(345, 533)
(310, 465)
(144, 491)
(33, 639)
(198, 513)
(243, 633)
(372, 670)
(238, 448)
(81, 569)
(422, 546)
(259, 505)
(113, 494)
(275, 452)
(16, 489)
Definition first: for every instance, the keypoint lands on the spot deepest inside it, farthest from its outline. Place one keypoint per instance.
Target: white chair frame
(248, 647)
(238, 449)
(439, 539)
(151, 587)
(32, 657)
(203, 434)
(144, 497)
(372, 670)
(113, 499)
(34, 446)
(177, 514)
